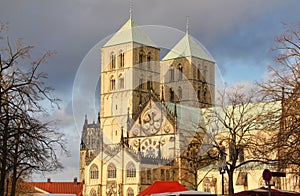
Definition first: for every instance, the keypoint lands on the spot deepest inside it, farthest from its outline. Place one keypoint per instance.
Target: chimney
(75, 181)
(49, 180)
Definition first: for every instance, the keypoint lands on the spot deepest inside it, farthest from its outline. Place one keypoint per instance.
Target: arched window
(141, 56)
(205, 73)
(93, 192)
(171, 73)
(94, 172)
(113, 60)
(141, 81)
(130, 170)
(204, 95)
(149, 60)
(206, 185)
(179, 92)
(149, 83)
(111, 171)
(180, 71)
(121, 82)
(171, 95)
(112, 83)
(121, 58)
(130, 192)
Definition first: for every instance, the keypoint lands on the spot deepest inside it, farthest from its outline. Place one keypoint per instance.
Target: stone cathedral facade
(149, 111)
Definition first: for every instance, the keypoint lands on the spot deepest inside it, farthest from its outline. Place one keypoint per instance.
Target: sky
(239, 34)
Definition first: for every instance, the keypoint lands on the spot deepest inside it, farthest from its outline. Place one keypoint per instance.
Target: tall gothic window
(94, 172)
(205, 73)
(141, 81)
(148, 175)
(111, 171)
(179, 92)
(121, 82)
(149, 60)
(171, 95)
(199, 94)
(130, 170)
(180, 71)
(130, 192)
(198, 73)
(171, 74)
(121, 59)
(141, 56)
(113, 60)
(206, 185)
(112, 84)
(93, 192)
(149, 83)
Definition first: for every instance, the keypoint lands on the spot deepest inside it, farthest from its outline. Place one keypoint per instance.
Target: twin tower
(132, 67)
(149, 108)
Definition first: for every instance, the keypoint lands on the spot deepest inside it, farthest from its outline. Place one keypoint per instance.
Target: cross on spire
(187, 24)
(130, 8)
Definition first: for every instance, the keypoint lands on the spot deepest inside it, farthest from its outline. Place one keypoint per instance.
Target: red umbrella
(264, 192)
(163, 187)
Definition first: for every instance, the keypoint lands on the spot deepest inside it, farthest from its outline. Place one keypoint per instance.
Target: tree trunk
(15, 163)
(4, 172)
(230, 182)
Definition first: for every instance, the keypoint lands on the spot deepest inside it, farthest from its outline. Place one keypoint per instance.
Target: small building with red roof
(49, 187)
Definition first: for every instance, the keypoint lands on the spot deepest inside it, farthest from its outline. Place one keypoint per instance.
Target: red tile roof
(57, 187)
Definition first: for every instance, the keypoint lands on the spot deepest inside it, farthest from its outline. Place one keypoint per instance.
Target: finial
(130, 9)
(85, 119)
(187, 24)
(162, 94)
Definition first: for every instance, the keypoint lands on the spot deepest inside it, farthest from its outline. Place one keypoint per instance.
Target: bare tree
(27, 144)
(195, 157)
(237, 129)
(283, 84)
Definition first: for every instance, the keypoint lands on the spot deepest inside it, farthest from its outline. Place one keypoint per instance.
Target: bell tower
(129, 65)
(188, 73)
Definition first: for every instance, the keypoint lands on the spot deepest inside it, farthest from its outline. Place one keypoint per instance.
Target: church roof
(188, 47)
(187, 117)
(128, 33)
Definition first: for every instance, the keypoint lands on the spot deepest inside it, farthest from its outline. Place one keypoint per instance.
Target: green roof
(128, 33)
(187, 117)
(188, 47)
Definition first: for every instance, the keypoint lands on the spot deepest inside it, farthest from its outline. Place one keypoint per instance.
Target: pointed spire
(162, 94)
(130, 9)
(85, 120)
(98, 117)
(187, 25)
(159, 150)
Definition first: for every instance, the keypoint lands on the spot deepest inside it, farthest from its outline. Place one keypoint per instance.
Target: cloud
(238, 33)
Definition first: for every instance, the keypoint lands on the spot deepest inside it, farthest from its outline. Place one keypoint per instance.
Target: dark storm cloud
(238, 33)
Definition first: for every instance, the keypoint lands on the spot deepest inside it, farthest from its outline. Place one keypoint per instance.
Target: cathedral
(149, 110)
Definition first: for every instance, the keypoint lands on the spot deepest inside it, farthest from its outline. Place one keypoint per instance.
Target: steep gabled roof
(129, 33)
(188, 47)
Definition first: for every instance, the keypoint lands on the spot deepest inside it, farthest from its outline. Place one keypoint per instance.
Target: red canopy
(264, 192)
(162, 187)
